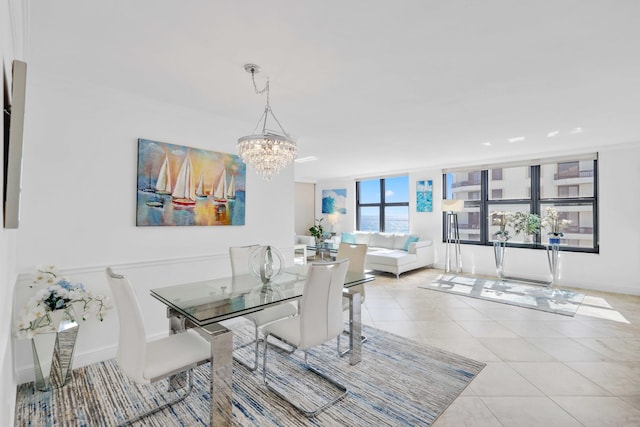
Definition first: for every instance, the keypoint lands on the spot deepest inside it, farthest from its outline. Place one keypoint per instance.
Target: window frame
(486, 205)
(382, 204)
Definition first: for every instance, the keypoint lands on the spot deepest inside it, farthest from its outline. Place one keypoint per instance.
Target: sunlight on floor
(599, 307)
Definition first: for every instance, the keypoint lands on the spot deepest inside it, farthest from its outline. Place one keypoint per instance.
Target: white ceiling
(369, 87)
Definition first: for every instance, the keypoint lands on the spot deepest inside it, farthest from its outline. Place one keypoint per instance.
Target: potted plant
(317, 231)
(554, 224)
(527, 224)
(502, 220)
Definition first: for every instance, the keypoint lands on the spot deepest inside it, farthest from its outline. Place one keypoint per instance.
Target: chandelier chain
(255, 87)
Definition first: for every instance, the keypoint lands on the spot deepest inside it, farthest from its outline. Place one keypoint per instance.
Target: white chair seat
(174, 352)
(287, 330)
(271, 314)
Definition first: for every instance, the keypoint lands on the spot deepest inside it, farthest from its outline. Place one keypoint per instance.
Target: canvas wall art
(186, 186)
(334, 201)
(424, 196)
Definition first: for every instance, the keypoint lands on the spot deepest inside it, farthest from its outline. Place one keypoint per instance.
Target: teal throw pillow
(348, 238)
(410, 240)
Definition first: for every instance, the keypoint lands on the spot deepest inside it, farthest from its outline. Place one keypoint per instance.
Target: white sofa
(392, 253)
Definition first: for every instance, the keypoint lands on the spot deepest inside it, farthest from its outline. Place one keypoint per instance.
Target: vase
(53, 352)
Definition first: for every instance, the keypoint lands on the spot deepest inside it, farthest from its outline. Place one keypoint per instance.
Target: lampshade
(267, 152)
(452, 205)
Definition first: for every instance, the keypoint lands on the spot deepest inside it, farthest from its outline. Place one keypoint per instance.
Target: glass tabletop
(331, 247)
(214, 300)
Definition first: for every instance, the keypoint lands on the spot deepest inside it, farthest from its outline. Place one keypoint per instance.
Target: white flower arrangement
(502, 220)
(60, 294)
(553, 222)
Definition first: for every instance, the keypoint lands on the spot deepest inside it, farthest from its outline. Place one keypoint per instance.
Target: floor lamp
(452, 207)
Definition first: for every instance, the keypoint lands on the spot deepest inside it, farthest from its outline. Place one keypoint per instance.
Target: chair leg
(309, 412)
(256, 343)
(178, 399)
(342, 353)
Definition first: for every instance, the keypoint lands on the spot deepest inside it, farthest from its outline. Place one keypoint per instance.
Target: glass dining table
(203, 305)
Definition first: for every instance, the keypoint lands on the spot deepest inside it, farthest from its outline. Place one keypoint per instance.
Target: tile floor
(542, 369)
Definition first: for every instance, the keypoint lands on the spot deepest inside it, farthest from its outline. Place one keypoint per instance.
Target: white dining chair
(356, 254)
(319, 320)
(240, 264)
(145, 362)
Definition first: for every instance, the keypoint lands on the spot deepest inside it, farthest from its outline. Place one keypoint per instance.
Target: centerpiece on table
(49, 317)
(317, 231)
(554, 224)
(528, 224)
(502, 220)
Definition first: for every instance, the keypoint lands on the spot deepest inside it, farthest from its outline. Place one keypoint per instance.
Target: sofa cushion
(348, 238)
(362, 237)
(410, 240)
(382, 240)
(399, 240)
(391, 257)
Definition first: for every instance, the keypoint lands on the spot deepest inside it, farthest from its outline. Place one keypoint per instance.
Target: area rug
(398, 383)
(549, 299)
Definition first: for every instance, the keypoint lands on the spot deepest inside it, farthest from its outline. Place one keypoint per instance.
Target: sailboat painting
(186, 186)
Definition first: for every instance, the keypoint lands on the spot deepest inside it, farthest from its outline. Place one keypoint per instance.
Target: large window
(383, 205)
(568, 186)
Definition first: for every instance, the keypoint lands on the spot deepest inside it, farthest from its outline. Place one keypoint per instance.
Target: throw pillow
(410, 240)
(348, 238)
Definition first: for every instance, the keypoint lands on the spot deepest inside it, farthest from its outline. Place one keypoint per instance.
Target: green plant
(317, 231)
(526, 223)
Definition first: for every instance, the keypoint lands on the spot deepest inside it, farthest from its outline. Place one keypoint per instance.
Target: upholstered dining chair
(240, 264)
(145, 362)
(356, 254)
(319, 320)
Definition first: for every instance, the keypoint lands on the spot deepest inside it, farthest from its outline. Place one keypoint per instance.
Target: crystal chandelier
(267, 152)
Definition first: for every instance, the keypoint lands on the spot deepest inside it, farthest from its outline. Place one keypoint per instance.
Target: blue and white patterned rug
(542, 298)
(398, 383)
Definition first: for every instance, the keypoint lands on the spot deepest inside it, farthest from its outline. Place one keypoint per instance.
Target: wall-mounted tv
(13, 132)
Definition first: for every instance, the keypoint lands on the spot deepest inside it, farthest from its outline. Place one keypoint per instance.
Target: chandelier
(267, 152)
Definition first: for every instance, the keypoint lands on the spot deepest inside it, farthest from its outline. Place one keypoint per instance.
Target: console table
(552, 249)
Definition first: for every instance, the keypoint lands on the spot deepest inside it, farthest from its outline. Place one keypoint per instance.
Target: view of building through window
(568, 187)
(383, 205)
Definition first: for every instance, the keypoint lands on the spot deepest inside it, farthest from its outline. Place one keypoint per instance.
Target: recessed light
(517, 139)
(576, 130)
(306, 159)
(552, 134)
(488, 144)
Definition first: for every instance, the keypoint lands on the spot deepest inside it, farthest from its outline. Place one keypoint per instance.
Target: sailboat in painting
(200, 194)
(163, 184)
(184, 193)
(231, 190)
(218, 195)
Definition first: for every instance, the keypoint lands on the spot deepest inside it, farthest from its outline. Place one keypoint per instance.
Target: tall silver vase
(53, 352)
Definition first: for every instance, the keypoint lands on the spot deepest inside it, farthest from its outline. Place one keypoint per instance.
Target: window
(383, 205)
(567, 186)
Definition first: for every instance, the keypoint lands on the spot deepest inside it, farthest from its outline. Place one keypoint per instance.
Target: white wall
(615, 269)
(79, 198)
(305, 206)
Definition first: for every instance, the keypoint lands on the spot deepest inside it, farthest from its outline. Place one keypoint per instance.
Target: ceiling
(369, 87)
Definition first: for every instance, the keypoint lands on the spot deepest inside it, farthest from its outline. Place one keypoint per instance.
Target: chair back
(240, 259)
(355, 253)
(132, 339)
(320, 307)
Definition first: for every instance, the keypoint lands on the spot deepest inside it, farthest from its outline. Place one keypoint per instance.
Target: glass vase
(53, 352)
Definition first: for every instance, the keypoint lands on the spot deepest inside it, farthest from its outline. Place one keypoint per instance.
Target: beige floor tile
(408, 329)
(381, 314)
(567, 350)
(467, 411)
(481, 329)
(619, 378)
(632, 400)
(500, 379)
(466, 346)
(618, 349)
(529, 412)
(532, 329)
(465, 313)
(515, 350)
(557, 379)
(600, 411)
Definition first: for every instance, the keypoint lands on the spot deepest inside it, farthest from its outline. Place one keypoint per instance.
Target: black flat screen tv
(13, 132)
